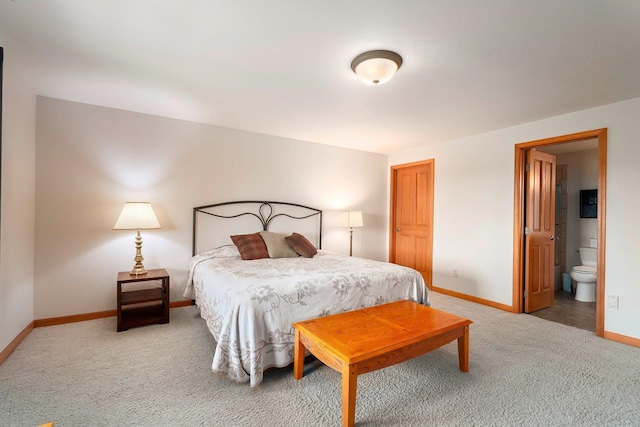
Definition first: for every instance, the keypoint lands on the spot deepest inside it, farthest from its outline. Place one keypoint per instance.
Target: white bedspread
(249, 306)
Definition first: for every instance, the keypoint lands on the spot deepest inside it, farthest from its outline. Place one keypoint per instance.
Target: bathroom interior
(576, 228)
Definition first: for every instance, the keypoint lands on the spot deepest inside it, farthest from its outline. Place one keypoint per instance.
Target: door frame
(519, 214)
(1, 102)
(392, 212)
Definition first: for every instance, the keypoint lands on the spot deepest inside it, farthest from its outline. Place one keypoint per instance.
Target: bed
(249, 305)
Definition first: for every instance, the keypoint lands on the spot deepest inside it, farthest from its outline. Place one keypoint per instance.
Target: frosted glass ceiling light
(376, 66)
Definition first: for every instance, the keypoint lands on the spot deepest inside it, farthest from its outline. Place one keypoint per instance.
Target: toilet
(586, 275)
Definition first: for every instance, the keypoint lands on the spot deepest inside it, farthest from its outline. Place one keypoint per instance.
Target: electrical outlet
(612, 301)
(455, 273)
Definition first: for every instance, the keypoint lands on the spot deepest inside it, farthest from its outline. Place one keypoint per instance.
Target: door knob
(553, 237)
(397, 229)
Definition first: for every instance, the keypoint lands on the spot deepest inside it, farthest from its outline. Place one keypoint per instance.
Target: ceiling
(282, 67)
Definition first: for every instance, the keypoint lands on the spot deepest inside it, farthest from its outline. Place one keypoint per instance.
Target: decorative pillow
(277, 246)
(301, 245)
(250, 246)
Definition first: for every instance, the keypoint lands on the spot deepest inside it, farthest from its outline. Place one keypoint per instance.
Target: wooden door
(411, 234)
(540, 231)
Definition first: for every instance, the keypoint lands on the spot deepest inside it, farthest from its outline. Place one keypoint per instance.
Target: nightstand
(143, 300)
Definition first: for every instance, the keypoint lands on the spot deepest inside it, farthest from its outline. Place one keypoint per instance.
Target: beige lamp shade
(350, 219)
(137, 216)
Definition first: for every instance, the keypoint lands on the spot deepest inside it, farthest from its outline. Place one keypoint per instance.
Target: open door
(520, 213)
(539, 231)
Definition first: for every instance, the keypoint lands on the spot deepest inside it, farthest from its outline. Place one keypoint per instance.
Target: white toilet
(586, 275)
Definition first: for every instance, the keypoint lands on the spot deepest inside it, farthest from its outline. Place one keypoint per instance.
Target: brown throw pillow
(250, 246)
(301, 245)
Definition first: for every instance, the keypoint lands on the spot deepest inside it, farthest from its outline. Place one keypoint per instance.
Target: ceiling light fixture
(376, 66)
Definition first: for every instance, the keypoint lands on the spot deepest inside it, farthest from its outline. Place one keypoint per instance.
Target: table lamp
(137, 216)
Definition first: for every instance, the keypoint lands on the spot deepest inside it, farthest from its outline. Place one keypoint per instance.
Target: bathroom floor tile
(568, 311)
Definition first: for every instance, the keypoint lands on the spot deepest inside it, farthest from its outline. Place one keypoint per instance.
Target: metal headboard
(265, 212)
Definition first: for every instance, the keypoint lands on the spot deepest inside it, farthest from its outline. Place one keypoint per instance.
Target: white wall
(90, 160)
(582, 174)
(18, 202)
(472, 211)
(473, 217)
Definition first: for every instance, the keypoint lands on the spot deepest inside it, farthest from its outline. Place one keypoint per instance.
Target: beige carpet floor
(524, 371)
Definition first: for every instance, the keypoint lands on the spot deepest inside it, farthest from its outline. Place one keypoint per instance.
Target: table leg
(463, 350)
(349, 384)
(298, 357)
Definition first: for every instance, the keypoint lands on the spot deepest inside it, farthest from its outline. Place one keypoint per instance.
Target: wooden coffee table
(368, 339)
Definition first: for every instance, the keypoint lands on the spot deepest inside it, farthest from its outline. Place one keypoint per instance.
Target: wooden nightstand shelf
(143, 300)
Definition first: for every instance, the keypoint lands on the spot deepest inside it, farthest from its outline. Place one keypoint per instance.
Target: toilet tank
(589, 256)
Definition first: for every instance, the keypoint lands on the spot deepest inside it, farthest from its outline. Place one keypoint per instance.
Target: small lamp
(351, 219)
(137, 216)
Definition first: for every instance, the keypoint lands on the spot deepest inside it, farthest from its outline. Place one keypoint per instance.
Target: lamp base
(138, 271)
(138, 268)
(351, 242)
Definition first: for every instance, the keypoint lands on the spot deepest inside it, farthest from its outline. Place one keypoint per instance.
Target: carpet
(523, 371)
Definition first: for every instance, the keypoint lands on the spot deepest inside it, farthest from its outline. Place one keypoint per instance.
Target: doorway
(521, 150)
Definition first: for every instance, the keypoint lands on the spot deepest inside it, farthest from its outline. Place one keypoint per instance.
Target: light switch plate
(612, 301)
